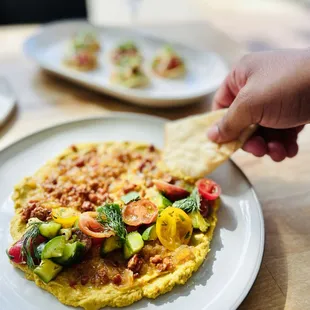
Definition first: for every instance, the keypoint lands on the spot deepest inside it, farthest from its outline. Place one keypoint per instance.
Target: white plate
(206, 70)
(231, 267)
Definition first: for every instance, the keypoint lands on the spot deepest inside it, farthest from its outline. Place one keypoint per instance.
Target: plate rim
(115, 91)
(163, 120)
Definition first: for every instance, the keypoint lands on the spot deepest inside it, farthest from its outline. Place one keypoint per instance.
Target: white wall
(117, 12)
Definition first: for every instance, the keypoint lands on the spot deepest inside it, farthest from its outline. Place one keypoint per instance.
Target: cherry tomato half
(91, 227)
(208, 189)
(140, 212)
(172, 192)
(173, 228)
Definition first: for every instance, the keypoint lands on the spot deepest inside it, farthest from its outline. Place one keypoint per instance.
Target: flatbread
(124, 158)
(188, 150)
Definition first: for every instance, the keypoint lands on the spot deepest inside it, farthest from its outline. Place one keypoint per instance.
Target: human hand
(271, 89)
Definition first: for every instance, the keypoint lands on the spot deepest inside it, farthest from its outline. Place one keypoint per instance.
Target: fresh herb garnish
(189, 204)
(129, 45)
(110, 216)
(131, 196)
(29, 246)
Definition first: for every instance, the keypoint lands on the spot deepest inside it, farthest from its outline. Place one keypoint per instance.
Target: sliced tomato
(91, 227)
(172, 192)
(208, 189)
(15, 253)
(64, 216)
(173, 228)
(173, 63)
(140, 212)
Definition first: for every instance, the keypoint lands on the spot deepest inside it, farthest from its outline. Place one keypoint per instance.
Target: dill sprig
(29, 246)
(110, 216)
(189, 204)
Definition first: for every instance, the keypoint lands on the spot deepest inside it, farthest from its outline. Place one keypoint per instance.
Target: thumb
(237, 118)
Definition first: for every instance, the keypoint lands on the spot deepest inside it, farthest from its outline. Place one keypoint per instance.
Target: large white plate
(236, 250)
(206, 70)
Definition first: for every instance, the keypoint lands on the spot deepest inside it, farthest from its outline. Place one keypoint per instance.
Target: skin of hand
(271, 89)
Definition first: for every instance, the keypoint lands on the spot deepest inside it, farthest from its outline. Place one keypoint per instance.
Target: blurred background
(259, 24)
(230, 28)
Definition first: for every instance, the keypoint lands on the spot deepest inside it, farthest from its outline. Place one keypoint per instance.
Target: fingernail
(213, 133)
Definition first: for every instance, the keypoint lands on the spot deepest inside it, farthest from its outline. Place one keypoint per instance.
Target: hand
(271, 89)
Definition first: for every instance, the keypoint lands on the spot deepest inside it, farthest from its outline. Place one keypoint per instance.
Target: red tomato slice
(174, 62)
(91, 227)
(172, 192)
(140, 212)
(208, 189)
(15, 253)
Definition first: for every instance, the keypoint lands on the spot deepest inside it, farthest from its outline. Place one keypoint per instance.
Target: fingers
(276, 151)
(224, 95)
(237, 118)
(277, 143)
(256, 145)
(291, 149)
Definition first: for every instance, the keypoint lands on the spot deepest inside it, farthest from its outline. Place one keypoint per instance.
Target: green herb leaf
(128, 46)
(131, 196)
(29, 243)
(189, 204)
(110, 216)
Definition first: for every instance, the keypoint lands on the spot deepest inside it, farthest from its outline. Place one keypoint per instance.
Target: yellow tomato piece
(64, 216)
(174, 228)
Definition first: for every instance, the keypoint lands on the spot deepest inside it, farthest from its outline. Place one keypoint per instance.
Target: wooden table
(283, 188)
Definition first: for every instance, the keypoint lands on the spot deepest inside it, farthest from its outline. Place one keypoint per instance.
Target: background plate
(236, 250)
(206, 70)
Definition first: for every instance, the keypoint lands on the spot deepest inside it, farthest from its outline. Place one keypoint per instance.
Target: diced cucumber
(198, 221)
(67, 232)
(40, 248)
(72, 254)
(133, 244)
(47, 270)
(50, 229)
(109, 245)
(150, 233)
(161, 202)
(54, 248)
(131, 196)
(196, 239)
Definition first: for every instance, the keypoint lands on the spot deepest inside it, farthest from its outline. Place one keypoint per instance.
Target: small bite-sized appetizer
(168, 64)
(131, 76)
(86, 41)
(81, 60)
(124, 52)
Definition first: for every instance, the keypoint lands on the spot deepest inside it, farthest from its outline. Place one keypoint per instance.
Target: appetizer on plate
(87, 41)
(125, 51)
(130, 76)
(81, 60)
(168, 64)
(102, 225)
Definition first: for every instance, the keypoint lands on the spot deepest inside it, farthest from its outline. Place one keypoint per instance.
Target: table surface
(283, 188)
